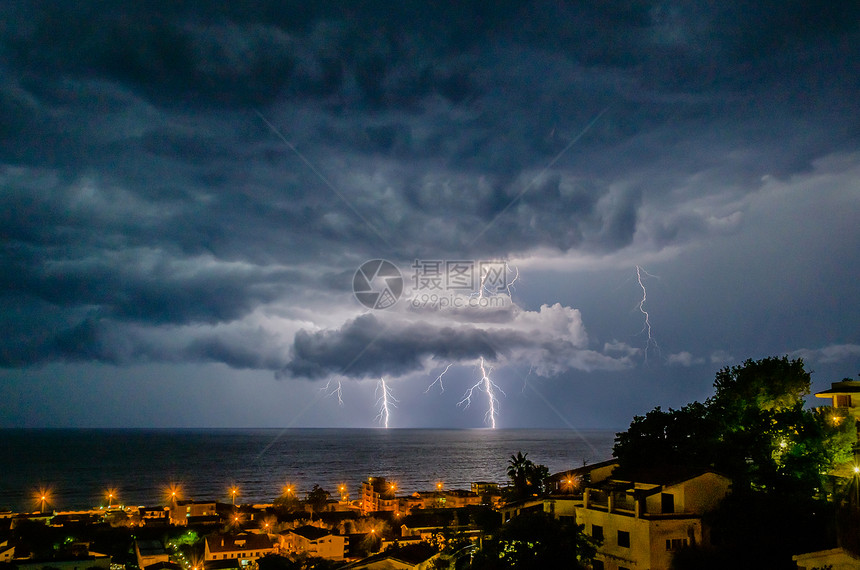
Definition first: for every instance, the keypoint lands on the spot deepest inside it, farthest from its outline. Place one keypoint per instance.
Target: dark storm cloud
(551, 339)
(366, 347)
(141, 188)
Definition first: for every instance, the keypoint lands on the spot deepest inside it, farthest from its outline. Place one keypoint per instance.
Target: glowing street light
(43, 497)
(110, 493)
(439, 486)
(174, 493)
(234, 490)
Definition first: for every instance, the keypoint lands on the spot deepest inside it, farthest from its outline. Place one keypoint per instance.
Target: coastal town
(619, 514)
(643, 509)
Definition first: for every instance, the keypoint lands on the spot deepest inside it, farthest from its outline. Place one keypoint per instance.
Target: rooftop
(843, 387)
(311, 532)
(245, 541)
(150, 547)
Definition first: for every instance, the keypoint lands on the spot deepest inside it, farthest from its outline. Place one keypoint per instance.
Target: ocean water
(78, 466)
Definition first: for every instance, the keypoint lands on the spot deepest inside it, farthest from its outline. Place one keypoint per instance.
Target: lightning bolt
(489, 387)
(514, 280)
(486, 273)
(385, 402)
(526, 378)
(333, 391)
(646, 328)
(438, 380)
(480, 291)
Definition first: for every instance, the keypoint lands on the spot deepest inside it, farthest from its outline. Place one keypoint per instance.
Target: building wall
(246, 553)
(331, 546)
(377, 496)
(647, 538)
(703, 493)
(180, 512)
(836, 558)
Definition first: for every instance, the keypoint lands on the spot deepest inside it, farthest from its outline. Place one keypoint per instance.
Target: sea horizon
(80, 464)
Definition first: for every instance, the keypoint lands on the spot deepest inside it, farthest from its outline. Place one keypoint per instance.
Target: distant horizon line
(294, 428)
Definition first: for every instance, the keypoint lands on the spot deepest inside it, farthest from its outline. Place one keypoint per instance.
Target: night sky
(187, 190)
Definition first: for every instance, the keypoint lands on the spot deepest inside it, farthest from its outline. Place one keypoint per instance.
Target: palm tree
(519, 469)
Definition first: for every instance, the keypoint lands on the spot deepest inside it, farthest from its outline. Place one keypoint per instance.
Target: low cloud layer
(552, 340)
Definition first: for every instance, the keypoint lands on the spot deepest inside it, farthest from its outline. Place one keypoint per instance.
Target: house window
(624, 538)
(597, 565)
(676, 543)
(843, 401)
(597, 532)
(667, 503)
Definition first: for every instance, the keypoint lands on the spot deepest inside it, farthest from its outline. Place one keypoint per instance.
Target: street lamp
(173, 493)
(43, 500)
(111, 493)
(234, 490)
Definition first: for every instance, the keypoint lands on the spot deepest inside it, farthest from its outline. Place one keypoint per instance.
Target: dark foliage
(536, 541)
(756, 431)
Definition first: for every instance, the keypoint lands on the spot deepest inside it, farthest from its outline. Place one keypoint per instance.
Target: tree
(755, 430)
(286, 504)
(674, 437)
(518, 470)
(762, 385)
(536, 540)
(527, 478)
(318, 498)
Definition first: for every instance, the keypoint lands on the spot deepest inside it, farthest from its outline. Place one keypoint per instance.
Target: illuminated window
(624, 538)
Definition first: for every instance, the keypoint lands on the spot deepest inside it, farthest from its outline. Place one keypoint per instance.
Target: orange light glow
(173, 492)
(110, 494)
(42, 498)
